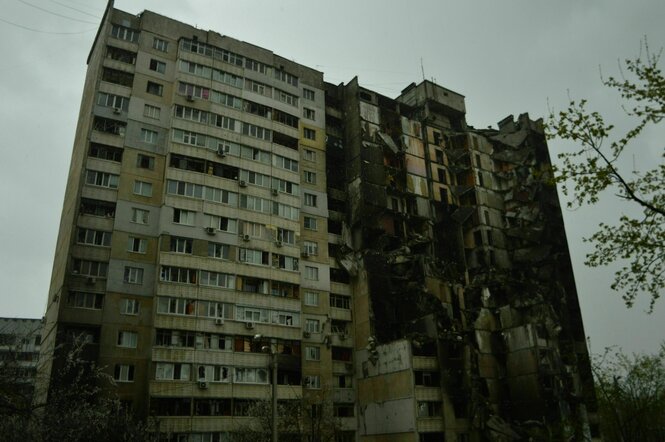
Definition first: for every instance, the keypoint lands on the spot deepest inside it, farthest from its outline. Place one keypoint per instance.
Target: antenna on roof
(422, 68)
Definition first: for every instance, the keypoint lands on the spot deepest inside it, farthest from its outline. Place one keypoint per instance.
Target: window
(310, 223)
(285, 163)
(285, 97)
(176, 306)
(286, 77)
(312, 353)
(166, 371)
(181, 245)
(178, 274)
(310, 134)
(283, 262)
(157, 66)
(251, 375)
(310, 177)
(286, 236)
(439, 156)
(342, 381)
(93, 237)
(120, 55)
(154, 88)
(308, 94)
(255, 230)
(429, 409)
(101, 179)
(145, 161)
(133, 275)
(340, 410)
(114, 101)
(117, 77)
(250, 256)
(310, 200)
(140, 216)
(97, 208)
(123, 33)
(312, 326)
(123, 373)
(109, 126)
(104, 152)
(311, 273)
(339, 301)
(142, 188)
(309, 113)
(137, 245)
(129, 306)
(90, 268)
(311, 299)
(310, 248)
(184, 217)
(309, 155)
(153, 112)
(127, 339)
(149, 136)
(215, 279)
(216, 250)
(312, 381)
(92, 301)
(160, 45)
(222, 223)
(442, 176)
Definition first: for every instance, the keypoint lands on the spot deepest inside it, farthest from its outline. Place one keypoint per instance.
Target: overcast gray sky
(506, 57)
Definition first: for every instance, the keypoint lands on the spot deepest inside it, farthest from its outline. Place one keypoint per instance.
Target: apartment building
(466, 319)
(231, 219)
(20, 342)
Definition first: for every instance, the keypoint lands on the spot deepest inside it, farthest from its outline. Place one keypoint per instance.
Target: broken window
(97, 207)
(121, 55)
(109, 126)
(104, 152)
(117, 77)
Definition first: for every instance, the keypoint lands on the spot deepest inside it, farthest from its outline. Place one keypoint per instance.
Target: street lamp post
(273, 363)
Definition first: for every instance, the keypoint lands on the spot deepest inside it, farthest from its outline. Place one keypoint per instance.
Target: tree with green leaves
(81, 406)
(630, 391)
(600, 163)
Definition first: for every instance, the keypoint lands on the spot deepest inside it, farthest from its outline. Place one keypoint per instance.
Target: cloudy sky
(506, 57)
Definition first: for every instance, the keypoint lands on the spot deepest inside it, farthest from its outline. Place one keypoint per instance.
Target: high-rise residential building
(231, 219)
(20, 341)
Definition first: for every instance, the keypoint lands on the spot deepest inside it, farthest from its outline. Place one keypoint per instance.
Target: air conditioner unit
(219, 321)
(249, 325)
(245, 237)
(221, 152)
(275, 192)
(306, 334)
(343, 336)
(91, 280)
(117, 110)
(304, 254)
(203, 385)
(210, 230)
(190, 97)
(278, 243)
(349, 366)
(242, 183)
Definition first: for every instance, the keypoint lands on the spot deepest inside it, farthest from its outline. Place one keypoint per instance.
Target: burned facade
(232, 221)
(463, 292)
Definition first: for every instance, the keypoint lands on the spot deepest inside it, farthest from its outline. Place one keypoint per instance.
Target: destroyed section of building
(463, 293)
